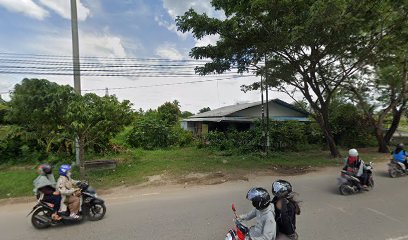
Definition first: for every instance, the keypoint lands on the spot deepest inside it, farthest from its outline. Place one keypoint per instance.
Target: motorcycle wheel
(41, 213)
(344, 189)
(371, 182)
(96, 212)
(393, 173)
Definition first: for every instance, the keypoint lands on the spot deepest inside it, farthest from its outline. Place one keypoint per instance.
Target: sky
(125, 29)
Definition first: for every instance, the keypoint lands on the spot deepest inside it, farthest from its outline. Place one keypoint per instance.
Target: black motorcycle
(92, 208)
(349, 184)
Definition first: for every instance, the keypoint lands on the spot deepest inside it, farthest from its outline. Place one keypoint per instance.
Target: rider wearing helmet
(355, 165)
(44, 186)
(286, 209)
(399, 155)
(66, 187)
(265, 228)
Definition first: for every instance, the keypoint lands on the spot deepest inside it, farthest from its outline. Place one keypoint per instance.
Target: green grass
(135, 165)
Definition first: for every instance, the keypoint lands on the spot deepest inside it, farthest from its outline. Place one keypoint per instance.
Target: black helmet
(281, 188)
(259, 197)
(44, 169)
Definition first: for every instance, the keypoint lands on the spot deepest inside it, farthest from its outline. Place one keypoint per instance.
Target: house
(242, 116)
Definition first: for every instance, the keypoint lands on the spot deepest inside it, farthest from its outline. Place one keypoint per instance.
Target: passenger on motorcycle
(286, 209)
(265, 228)
(66, 186)
(45, 184)
(355, 165)
(399, 155)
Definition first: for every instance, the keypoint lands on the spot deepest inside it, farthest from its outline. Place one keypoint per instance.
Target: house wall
(275, 110)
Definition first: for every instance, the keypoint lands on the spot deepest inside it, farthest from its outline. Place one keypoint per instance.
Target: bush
(151, 132)
(284, 136)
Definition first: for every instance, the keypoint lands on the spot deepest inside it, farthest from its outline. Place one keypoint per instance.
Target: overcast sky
(112, 28)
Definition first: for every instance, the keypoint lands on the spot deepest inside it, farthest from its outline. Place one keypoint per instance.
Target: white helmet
(353, 152)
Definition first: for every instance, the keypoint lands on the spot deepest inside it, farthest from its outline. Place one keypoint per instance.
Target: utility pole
(106, 92)
(263, 116)
(267, 108)
(79, 148)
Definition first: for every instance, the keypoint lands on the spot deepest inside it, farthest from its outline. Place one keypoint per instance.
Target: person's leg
(56, 204)
(73, 204)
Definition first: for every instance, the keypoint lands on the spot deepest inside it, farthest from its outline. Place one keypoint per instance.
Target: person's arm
(248, 216)
(360, 169)
(269, 231)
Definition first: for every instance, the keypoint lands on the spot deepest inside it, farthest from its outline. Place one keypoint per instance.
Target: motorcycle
(396, 169)
(240, 231)
(92, 208)
(349, 184)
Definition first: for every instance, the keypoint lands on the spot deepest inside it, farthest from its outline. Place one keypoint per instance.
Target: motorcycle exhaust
(42, 218)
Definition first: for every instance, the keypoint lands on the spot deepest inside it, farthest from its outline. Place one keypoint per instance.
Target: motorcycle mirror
(233, 208)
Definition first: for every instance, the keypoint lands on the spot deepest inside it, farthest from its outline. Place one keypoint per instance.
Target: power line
(156, 85)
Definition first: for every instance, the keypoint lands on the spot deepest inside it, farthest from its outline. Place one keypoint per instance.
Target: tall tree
(383, 92)
(309, 46)
(169, 112)
(92, 118)
(39, 106)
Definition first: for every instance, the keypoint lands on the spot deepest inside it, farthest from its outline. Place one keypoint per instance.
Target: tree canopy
(309, 46)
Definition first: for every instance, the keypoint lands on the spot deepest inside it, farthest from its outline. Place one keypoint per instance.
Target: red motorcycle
(240, 231)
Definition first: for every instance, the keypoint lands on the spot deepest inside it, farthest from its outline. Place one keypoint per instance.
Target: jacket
(265, 227)
(357, 167)
(66, 186)
(286, 218)
(43, 181)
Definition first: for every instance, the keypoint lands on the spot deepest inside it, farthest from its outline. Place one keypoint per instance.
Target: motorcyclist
(286, 209)
(66, 186)
(265, 228)
(355, 165)
(399, 155)
(45, 184)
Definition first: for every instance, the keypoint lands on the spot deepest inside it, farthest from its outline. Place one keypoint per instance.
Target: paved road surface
(204, 212)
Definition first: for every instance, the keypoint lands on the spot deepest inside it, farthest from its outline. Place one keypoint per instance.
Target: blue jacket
(400, 156)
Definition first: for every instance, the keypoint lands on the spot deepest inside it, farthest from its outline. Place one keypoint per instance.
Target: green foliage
(97, 119)
(39, 106)
(18, 146)
(169, 112)
(3, 112)
(205, 109)
(350, 126)
(284, 136)
(186, 114)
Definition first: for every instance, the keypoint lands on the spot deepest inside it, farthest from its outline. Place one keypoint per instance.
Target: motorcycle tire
(371, 183)
(344, 189)
(40, 224)
(96, 211)
(393, 173)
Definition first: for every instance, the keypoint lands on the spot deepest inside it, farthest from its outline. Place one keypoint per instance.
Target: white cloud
(169, 51)
(26, 7)
(176, 8)
(91, 44)
(63, 8)
(207, 40)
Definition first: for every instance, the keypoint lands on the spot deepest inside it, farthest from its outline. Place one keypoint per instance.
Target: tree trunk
(322, 120)
(382, 144)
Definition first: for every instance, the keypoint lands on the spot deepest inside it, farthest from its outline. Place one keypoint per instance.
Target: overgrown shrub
(284, 136)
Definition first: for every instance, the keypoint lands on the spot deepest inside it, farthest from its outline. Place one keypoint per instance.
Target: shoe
(74, 216)
(56, 217)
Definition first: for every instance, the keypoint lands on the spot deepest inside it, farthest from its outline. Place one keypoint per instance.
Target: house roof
(228, 110)
(243, 119)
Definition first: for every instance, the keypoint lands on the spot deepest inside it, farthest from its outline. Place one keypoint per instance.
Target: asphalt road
(204, 212)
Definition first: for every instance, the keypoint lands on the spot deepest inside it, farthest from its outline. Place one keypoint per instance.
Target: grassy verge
(136, 165)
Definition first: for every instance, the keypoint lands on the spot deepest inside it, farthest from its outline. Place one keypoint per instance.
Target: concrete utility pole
(263, 116)
(77, 79)
(106, 92)
(267, 107)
